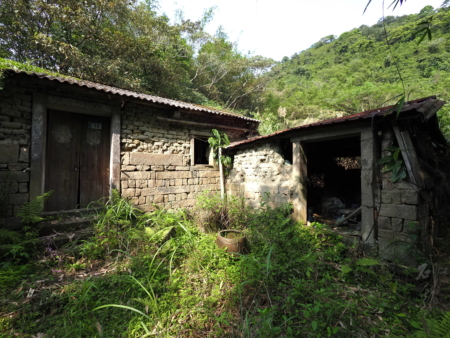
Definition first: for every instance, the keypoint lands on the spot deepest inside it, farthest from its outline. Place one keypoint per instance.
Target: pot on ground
(233, 240)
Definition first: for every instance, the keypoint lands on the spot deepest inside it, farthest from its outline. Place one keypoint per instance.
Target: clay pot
(233, 240)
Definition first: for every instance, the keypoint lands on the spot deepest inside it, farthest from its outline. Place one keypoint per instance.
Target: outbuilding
(380, 177)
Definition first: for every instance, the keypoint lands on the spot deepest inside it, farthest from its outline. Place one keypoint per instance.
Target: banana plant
(218, 141)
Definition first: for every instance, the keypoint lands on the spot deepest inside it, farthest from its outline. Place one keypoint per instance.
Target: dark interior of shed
(334, 181)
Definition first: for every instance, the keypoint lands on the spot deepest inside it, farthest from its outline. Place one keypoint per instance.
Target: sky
(278, 28)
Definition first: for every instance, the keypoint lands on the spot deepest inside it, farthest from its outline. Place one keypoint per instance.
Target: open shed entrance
(334, 180)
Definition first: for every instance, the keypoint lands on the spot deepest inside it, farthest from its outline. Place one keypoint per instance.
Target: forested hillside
(356, 71)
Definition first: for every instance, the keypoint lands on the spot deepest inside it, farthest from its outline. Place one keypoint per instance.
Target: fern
(9, 237)
(31, 211)
(435, 328)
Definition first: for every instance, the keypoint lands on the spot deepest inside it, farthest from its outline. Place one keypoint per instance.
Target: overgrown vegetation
(20, 243)
(157, 275)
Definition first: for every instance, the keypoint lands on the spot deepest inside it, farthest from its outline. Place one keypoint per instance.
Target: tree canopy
(125, 43)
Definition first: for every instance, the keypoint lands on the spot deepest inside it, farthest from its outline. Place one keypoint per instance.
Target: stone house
(81, 139)
(337, 161)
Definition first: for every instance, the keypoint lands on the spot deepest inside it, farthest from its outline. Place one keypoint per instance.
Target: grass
(157, 275)
(6, 64)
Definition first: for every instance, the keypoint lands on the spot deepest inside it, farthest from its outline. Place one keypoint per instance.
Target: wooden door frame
(41, 104)
(368, 184)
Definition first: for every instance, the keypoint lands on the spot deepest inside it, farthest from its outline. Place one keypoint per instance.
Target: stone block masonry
(156, 162)
(155, 155)
(402, 218)
(15, 134)
(258, 171)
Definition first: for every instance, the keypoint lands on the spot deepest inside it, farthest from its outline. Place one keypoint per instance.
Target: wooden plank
(62, 160)
(329, 132)
(430, 108)
(405, 154)
(411, 151)
(203, 125)
(354, 213)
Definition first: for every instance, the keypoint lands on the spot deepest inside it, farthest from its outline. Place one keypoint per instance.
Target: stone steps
(59, 228)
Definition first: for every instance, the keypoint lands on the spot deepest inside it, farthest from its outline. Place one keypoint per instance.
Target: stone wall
(156, 161)
(15, 125)
(259, 169)
(156, 155)
(402, 222)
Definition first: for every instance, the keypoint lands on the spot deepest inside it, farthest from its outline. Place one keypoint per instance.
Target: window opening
(286, 149)
(201, 150)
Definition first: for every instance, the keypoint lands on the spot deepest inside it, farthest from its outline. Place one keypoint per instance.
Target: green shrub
(213, 213)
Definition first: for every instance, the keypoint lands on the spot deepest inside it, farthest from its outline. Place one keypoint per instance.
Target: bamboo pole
(222, 185)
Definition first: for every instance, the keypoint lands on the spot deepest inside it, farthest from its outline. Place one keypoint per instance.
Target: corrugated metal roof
(136, 95)
(410, 105)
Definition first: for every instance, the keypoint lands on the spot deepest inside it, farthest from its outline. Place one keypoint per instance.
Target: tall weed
(214, 213)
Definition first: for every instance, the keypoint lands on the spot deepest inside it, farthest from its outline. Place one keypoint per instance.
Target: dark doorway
(77, 159)
(334, 179)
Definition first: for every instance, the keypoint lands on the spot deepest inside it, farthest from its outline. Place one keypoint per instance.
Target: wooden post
(367, 187)
(38, 143)
(115, 150)
(387, 140)
(299, 177)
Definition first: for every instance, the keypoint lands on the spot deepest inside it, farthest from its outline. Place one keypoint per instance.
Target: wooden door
(62, 160)
(77, 159)
(94, 158)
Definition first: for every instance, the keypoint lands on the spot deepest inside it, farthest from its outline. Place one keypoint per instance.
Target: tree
(120, 42)
(224, 75)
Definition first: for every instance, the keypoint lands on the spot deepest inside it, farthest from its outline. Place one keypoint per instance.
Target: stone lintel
(155, 159)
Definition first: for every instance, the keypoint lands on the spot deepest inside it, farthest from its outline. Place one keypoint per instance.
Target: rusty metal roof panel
(136, 95)
(410, 105)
